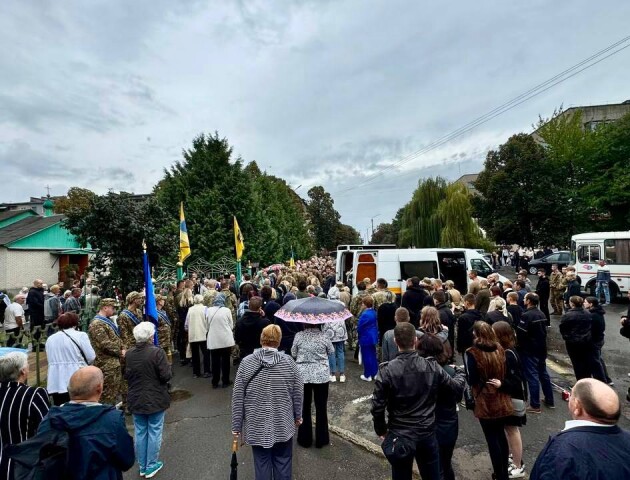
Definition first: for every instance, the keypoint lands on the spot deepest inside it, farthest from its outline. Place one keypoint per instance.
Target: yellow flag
(292, 260)
(238, 240)
(184, 244)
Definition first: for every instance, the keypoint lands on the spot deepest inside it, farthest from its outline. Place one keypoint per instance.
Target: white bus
(397, 265)
(614, 247)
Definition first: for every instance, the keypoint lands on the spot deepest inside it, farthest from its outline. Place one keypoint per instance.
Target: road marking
(362, 399)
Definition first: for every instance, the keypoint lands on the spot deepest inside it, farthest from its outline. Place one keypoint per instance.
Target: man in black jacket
(465, 323)
(410, 404)
(575, 328)
(414, 299)
(250, 326)
(35, 303)
(531, 334)
(543, 290)
(446, 314)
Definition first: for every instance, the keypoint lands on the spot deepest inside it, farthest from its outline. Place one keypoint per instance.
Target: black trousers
(318, 391)
(427, 458)
(582, 359)
(196, 348)
(221, 365)
(544, 307)
(11, 341)
(275, 463)
(181, 342)
(493, 430)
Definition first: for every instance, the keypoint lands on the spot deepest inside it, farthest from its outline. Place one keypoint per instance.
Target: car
(562, 258)
(486, 255)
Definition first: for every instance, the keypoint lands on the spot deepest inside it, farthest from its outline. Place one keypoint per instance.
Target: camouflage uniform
(381, 297)
(555, 281)
(230, 302)
(126, 326)
(564, 283)
(356, 307)
(107, 346)
(209, 296)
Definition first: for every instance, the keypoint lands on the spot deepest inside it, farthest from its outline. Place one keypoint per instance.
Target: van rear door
(364, 266)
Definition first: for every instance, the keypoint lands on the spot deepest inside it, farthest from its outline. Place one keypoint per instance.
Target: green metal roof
(12, 216)
(39, 233)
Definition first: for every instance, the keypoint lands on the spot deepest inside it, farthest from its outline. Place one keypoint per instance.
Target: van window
(418, 269)
(483, 269)
(588, 253)
(366, 270)
(617, 251)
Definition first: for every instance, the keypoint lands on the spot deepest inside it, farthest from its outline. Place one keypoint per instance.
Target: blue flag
(150, 307)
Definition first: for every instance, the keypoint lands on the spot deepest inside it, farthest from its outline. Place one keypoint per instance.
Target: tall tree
(347, 235)
(76, 198)
(460, 229)
(324, 218)
(115, 226)
(421, 225)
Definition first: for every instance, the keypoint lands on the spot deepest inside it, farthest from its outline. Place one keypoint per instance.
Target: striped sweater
(265, 414)
(22, 408)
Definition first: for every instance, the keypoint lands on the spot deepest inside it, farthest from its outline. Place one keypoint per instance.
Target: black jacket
(35, 302)
(496, 316)
(385, 317)
(543, 290)
(465, 324)
(448, 320)
(531, 333)
(413, 300)
(598, 325)
(248, 330)
(407, 388)
(147, 372)
(516, 313)
(575, 326)
(573, 289)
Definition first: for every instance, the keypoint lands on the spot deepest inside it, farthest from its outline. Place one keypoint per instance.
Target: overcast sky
(106, 94)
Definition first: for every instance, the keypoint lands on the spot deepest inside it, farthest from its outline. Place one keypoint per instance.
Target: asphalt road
(197, 436)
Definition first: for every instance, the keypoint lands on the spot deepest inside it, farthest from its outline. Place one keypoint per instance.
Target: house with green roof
(36, 246)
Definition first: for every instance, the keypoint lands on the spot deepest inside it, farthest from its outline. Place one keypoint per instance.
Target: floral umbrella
(313, 310)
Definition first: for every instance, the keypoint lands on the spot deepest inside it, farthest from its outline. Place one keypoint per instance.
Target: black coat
(35, 302)
(465, 324)
(407, 388)
(575, 326)
(386, 319)
(147, 372)
(531, 333)
(543, 290)
(598, 325)
(413, 300)
(448, 320)
(496, 316)
(516, 313)
(248, 330)
(573, 289)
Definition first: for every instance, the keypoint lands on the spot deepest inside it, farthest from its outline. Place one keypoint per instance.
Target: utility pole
(372, 220)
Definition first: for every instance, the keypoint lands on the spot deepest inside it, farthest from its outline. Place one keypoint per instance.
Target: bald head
(86, 384)
(38, 283)
(594, 401)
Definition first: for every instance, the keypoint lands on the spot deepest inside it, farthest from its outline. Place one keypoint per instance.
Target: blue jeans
(273, 463)
(598, 290)
(148, 433)
(337, 359)
(535, 371)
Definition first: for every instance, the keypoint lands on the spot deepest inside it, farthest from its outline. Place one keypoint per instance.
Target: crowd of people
(496, 330)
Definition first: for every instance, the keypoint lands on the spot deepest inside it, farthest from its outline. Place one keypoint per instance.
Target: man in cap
(127, 321)
(105, 339)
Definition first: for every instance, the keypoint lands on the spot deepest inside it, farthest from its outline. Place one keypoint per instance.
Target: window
(617, 251)
(418, 269)
(588, 253)
(564, 257)
(483, 269)
(553, 258)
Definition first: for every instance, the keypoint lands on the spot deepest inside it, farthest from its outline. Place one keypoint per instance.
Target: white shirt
(11, 313)
(569, 424)
(64, 357)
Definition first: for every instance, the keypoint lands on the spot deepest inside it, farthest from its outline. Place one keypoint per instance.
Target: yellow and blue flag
(238, 240)
(150, 306)
(292, 261)
(184, 243)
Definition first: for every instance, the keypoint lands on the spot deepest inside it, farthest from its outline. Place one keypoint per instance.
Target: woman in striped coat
(267, 406)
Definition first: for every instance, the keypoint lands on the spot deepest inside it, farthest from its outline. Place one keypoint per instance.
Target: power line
(501, 109)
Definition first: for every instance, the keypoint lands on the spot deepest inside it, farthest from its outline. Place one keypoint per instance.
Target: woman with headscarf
(337, 333)
(220, 340)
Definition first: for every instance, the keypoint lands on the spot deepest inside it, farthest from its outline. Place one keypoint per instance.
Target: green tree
(76, 198)
(388, 233)
(324, 218)
(347, 235)
(115, 226)
(421, 225)
(518, 191)
(460, 229)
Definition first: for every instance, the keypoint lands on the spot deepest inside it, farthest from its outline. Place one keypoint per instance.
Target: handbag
(397, 448)
(519, 407)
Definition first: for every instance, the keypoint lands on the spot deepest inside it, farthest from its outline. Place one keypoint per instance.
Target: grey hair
(143, 332)
(198, 299)
(11, 365)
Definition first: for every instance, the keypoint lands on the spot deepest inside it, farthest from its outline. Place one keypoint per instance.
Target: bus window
(418, 269)
(617, 251)
(482, 268)
(588, 253)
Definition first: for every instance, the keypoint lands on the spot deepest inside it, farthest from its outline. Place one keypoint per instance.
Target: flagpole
(180, 271)
(239, 274)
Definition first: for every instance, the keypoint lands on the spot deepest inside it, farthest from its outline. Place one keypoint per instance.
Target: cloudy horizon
(339, 94)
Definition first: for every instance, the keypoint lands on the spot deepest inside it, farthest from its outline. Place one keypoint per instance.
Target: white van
(614, 247)
(397, 265)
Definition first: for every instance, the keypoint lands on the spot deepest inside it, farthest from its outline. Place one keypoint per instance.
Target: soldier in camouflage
(127, 320)
(382, 294)
(356, 307)
(555, 282)
(105, 339)
(164, 328)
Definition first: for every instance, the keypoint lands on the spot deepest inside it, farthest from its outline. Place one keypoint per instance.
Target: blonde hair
(497, 303)
(271, 336)
(430, 320)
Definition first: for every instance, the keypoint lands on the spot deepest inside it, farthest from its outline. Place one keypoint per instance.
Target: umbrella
(234, 462)
(313, 310)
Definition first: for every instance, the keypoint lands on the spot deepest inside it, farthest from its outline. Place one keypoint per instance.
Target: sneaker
(517, 472)
(142, 472)
(611, 383)
(332, 379)
(549, 405)
(533, 410)
(365, 379)
(152, 472)
(342, 378)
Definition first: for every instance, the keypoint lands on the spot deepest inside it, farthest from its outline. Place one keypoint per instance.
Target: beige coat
(197, 323)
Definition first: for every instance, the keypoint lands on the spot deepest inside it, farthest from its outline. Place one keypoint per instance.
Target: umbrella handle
(235, 444)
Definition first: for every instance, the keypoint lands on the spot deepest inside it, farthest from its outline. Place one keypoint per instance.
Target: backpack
(42, 457)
